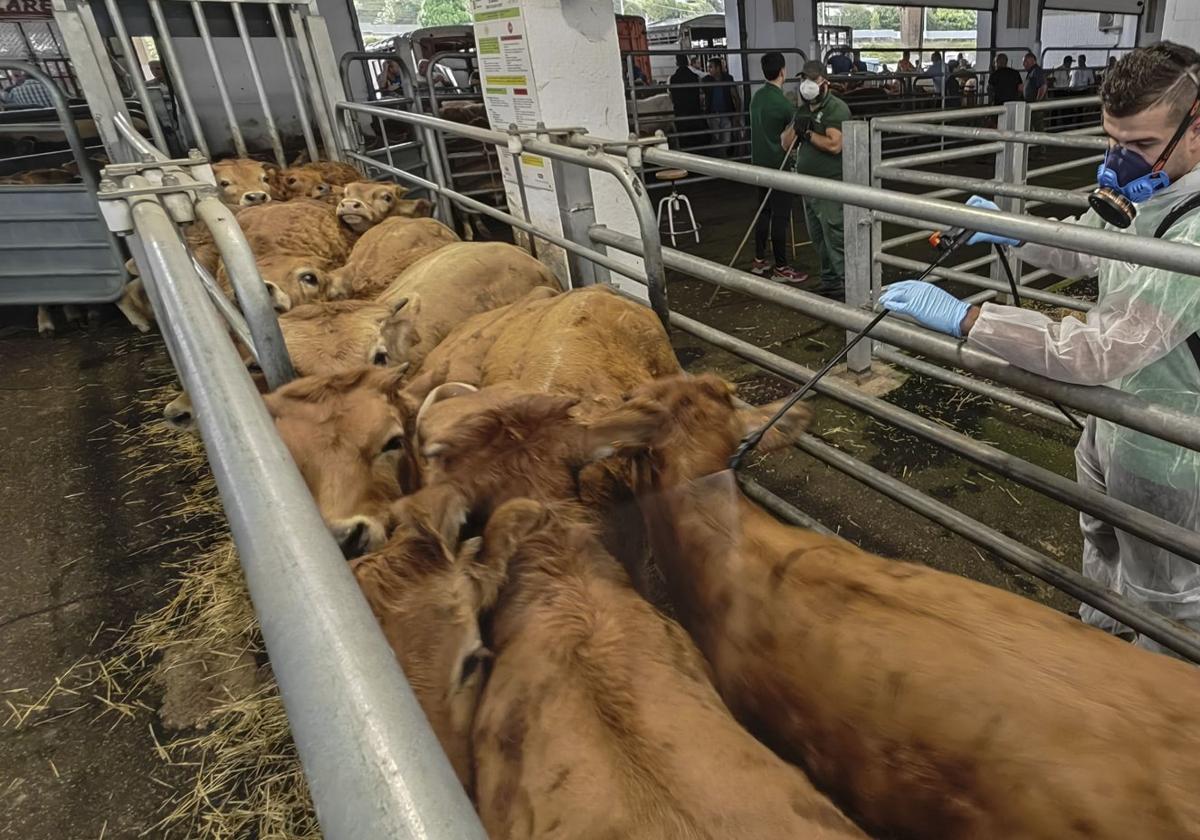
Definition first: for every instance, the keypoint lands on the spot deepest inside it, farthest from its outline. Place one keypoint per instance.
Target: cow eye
(387, 198)
(224, 183)
(394, 444)
(309, 279)
(263, 178)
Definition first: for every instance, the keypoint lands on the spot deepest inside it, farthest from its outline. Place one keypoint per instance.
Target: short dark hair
(813, 70)
(772, 65)
(681, 61)
(1146, 76)
(1030, 55)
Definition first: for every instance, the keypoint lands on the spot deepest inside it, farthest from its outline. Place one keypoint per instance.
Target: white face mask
(810, 91)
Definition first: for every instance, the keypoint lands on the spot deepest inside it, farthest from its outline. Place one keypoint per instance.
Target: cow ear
(445, 391)
(399, 191)
(400, 328)
(786, 431)
(506, 528)
(636, 425)
(446, 508)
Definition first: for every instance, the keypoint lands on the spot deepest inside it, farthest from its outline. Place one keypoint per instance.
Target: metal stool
(672, 202)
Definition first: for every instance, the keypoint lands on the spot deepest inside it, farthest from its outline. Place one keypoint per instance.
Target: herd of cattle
(607, 637)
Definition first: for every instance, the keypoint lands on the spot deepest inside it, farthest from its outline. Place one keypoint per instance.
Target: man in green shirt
(818, 134)
(771, 116)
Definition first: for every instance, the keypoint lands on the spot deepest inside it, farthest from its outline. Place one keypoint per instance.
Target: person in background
(937, 72)
(817, 131)
(639, 78)
(722, 104)
(905, 65)
(1004, 83)
(860, 66)
(25, 92)
(389, 77)
(771, 139)
(953, 85)
(1034, 90)
(1083, 78)
(688, 104)
(963, 64)
(1060, 79)
(841, 64)
(1142, 336)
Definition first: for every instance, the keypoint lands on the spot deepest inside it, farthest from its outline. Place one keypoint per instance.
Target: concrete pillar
(911, 20)
(765, 32)
(557, 63)
(1181, 22)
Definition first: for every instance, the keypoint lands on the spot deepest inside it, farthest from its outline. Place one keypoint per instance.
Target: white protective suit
(1134, 339)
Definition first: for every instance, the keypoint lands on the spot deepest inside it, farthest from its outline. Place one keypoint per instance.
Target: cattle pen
(372, 763)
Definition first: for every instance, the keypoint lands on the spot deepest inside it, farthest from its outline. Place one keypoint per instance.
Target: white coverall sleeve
(1144, 314)
(1060, 261)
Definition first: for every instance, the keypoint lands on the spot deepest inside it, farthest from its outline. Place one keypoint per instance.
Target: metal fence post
(1012, 164)
(576, 206)
(859, 225)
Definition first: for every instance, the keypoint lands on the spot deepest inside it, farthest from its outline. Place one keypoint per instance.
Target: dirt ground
(84, 555)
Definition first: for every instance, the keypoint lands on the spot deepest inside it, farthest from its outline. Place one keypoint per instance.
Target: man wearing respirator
(1141, 337)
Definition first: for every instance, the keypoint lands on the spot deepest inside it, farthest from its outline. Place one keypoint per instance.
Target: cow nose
(353, 536)
(352, 204)
(380, 358)
(256, 198)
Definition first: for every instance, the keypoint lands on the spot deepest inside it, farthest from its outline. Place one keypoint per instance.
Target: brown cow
(367, 203)
(306, 180)
(296, 245)
(599, 719)
(242, 182)
(448, 286)
(322, 339)
(386, 250)
(350, 434)
(350, 412)
(427, 591)
(926, 704)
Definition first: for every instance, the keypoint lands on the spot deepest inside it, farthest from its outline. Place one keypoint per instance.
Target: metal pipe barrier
(373, 764)
(1117, 406)
(268, 345)
(592, 157)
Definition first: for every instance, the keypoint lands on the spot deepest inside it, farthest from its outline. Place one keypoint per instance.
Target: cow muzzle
(252, 198)
(357, 535)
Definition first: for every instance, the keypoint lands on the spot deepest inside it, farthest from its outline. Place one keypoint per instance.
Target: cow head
(243, 182)
(351, 436)
(706, 426)
(399, 332)
(300, 182)
(336, 336)
(502, 442)
(365, 204)
(428, 589)
(296, 280)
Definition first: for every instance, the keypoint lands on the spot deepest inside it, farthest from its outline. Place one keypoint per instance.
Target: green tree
(394, 11)
(443, 12)
(952, 19)
(887, 17)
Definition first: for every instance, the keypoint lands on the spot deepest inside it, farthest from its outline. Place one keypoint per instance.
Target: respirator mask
(810, 91)
(1125, 179)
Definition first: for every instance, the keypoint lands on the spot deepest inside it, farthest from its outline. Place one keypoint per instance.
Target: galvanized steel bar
(1052, 168)
(264, 101)
(927, 158)
(235, 131)
(976, 386)
(289, 63)
(979, 186)
(248, 286)
(166, 46)
(322, 116)
(232, 315)
(374, 767)
(135, 73)
(1118, 406)
(1068, 140)
(888, 123)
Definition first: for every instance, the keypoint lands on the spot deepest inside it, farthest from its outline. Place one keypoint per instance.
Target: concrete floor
(80, 561)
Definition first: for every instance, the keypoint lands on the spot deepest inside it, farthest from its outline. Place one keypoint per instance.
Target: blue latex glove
(926, 304)
(983, 204)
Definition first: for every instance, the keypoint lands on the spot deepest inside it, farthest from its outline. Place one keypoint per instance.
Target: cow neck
(703, 535)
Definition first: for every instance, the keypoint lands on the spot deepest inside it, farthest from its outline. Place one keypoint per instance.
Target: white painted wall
(1076, 29)
(1181, 22)
(764, 33)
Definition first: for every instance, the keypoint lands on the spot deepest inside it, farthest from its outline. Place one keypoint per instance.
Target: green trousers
(825, 229)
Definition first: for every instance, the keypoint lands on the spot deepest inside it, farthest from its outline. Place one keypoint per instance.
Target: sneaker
(762, 268)
(787, 274)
